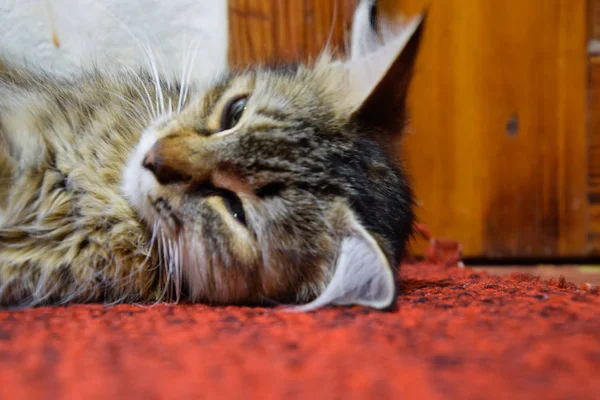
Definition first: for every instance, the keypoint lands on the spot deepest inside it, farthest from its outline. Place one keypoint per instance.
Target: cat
(268, 186)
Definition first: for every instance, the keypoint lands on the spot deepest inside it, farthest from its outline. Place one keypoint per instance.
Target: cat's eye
(234, 206)
(230, 199)
(233, 111)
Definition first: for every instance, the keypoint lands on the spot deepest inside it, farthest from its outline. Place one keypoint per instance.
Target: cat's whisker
(159, 107)
(175, 269)
(162, 270)
(169, 248)
(184, 67)
(169, 94)
(168, 262)
(158, 64)
(144, 47)
(188, 67)
(189, 72)
(149, 246)
(146, 100)
(327, 46)
(151, 60)
(136, 119)
(134, 106)
(157, 61)
(159, 249)
(181, 78)
(158, 95)
(137, 123)
(179, 266)
(172, 267)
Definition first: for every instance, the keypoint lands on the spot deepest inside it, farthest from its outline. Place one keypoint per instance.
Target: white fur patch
(138, 182)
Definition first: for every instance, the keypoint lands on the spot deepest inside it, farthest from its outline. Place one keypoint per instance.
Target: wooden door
(498, 149)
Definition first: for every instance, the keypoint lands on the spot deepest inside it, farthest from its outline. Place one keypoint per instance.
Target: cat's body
(65, 228)
(269, 185)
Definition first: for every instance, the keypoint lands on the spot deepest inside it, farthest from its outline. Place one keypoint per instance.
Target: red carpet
(455, 334)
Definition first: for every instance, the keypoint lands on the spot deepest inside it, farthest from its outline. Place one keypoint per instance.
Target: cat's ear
(381, 66)
(362, 273)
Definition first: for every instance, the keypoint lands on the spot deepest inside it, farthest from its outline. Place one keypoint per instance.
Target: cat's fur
(115, 187)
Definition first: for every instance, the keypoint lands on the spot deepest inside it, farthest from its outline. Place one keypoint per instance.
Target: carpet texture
(455, 334)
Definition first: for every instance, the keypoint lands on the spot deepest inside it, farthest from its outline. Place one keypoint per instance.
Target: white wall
(109, 33)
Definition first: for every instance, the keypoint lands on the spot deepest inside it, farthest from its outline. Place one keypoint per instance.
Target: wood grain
(498, 154)
(281, 31)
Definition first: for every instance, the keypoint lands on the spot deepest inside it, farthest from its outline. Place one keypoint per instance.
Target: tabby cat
(268, 186)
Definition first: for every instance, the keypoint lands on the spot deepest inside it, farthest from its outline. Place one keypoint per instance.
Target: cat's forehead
(271, 86)
(247, 83)
(295, 91)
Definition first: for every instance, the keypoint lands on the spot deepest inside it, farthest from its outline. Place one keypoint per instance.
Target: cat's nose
(164, 173)
(148, 161)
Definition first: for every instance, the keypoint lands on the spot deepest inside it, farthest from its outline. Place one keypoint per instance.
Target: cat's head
(279, 184)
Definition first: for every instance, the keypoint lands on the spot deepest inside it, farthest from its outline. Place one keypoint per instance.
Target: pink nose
(163, 172)
(149, 160)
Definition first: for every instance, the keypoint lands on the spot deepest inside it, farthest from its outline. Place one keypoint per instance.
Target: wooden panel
(594, 154)
(498, 153)
(279, 31)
